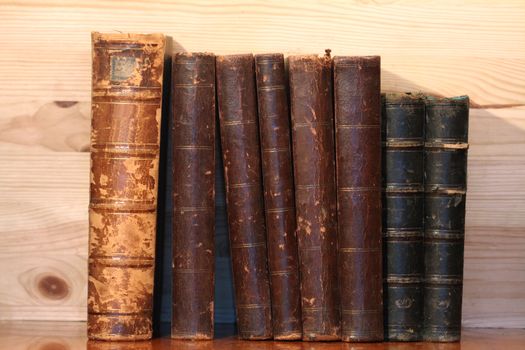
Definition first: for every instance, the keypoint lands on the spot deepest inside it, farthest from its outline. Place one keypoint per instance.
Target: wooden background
(441, 47)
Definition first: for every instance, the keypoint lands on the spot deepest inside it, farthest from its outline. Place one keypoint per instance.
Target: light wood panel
(43, 234)
(474, 47)
(444, 47)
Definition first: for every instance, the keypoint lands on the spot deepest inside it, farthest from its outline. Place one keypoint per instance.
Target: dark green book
(403, 129)
(446, 146)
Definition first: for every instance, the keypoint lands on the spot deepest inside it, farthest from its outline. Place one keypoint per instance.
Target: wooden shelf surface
(51, 335)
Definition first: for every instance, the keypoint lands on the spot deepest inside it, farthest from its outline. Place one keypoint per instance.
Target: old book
(276, 153)
(315, 194)
(125, 135)
(446, 145)
(357, 100)
(193, 108)
(403, 126)
(237, 103)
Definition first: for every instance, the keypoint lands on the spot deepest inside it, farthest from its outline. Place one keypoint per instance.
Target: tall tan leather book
(125, 135)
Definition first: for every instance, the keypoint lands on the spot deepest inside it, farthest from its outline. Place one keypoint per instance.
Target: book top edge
(187, 54)
(403, 98)
(456, 100)
(372, 59)
(128, 37)
(270, 55)
(235, 56)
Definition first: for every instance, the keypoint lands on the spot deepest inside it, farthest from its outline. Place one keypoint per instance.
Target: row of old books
(342, 227)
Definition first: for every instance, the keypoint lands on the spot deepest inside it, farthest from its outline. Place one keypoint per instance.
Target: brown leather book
(358, 151)
(125, 135)
(283, 261)
(244, 195)
(315, 194)
(193, 108)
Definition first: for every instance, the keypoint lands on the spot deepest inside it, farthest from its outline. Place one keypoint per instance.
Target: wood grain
(444, 47)
(43, 235)
(55, 126)
(474, 47)
(72, 336)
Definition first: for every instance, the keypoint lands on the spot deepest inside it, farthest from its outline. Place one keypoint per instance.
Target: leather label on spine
(122, 67)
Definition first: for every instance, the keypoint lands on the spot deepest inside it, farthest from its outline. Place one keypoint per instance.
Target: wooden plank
(494, 277)
(72, 336)
(55, 126)
(447, 48)
(43, 235)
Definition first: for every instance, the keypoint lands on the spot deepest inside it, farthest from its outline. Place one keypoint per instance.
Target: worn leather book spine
(403, 127)
(315, 194)
(125, 136)
(358, 152)
(276, 153)
(237, 103)
(193, 108)
(446, 145)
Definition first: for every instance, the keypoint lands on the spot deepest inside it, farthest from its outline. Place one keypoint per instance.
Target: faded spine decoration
(315, 194)
(193, 108)
(403, 204)
(276, 153)
(358, 151)
(446, 146)
(244, 195)
(125, 137)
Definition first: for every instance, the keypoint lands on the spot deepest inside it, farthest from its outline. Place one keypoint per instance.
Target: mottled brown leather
(244, 195)
(193, 108)
(125, 135)
(283, 261)
(358, 151)
(315, 194)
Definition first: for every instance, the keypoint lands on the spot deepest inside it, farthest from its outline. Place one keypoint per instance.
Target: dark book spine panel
(237, 104)
(276, 153)
(125, 144)
(446, 146)
(358, 151)
(403, 213)
(193, 109)
(315, 194)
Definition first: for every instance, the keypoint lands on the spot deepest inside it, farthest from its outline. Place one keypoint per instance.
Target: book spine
(358, 152)
(125, 137)
(403, 204)
(315, 194)
(276, 153)
(446, 146)
(244, 195)
(193, 106)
